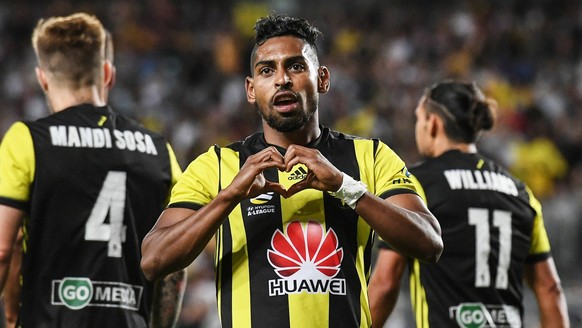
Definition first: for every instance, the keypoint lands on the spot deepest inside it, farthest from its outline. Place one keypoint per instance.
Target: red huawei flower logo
(305, 252)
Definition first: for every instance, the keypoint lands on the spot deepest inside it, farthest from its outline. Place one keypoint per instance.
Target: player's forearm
(384, 285)
(382, 303)
(167, 300)
(555, 316)
(553, 309)
(413, 233)
(5, 293)
(542, 277)
(12, 286)
(172, 248)
(4, 271)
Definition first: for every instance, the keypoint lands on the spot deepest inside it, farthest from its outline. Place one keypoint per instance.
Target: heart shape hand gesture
(250, 181)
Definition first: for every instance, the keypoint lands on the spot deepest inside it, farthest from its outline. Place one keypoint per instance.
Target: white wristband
(350, 191)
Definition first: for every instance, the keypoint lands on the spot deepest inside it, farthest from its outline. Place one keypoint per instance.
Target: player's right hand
(251, 182)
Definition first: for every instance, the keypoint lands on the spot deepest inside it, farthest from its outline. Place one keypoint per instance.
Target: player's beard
(289, 123)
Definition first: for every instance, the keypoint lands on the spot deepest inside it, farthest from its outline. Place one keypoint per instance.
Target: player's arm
(384, 285)
(543, 279)
(10, 221)
(167, 301)
(405, 223)
(12, 286)
(17, 169)
(180, 234)
(402, 220)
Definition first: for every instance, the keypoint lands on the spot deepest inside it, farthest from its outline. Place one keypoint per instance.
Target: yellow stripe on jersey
(418, 297)
(301, 207)
(218, 255)
(200, 184)
(175, 168)
(539, 237)
(301, 312)
(174, 165)
(389, 170)
(363, 273)
(241, 291)
(419, 188)
(17, 164)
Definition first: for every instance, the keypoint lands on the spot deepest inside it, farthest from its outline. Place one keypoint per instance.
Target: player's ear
(41, 78)
(109, 73)
(434, 124)
(323, 79)
(250, 89)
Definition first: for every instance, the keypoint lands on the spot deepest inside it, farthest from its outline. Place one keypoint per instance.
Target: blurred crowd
(181, 67)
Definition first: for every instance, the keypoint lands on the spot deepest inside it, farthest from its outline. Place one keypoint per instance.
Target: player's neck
(448, 145)
(63, 98)
(302, 136)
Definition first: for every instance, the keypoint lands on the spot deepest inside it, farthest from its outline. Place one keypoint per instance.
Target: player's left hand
(321, 174)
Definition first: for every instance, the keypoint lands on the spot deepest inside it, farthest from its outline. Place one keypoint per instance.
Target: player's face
(285, 85)
(422, 129)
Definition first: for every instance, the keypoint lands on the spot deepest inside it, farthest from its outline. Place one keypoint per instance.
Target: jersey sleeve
(198, 185)
(391, 175)
(419, 188)
(174, 165)
(17, 166)
(540, 243)
(175, 169)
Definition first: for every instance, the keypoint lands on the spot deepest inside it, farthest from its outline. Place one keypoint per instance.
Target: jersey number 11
(479, 217)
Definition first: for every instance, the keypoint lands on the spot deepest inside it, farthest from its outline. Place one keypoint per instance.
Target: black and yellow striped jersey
(492, 226)
(93, 184)
(298, 262)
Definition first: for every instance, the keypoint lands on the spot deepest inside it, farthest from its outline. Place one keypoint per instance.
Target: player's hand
(321, 174)
(251, 182)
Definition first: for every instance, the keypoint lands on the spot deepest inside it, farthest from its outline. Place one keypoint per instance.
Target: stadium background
(181, 67)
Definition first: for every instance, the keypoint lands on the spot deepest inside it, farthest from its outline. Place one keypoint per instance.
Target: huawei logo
(305, 252)
(307, 259)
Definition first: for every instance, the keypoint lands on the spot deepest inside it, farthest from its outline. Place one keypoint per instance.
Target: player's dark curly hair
(463, 107)
(279, 25)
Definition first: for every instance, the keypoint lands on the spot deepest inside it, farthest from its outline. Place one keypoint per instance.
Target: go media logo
(78, 292)
(479, 315)
(307, 259)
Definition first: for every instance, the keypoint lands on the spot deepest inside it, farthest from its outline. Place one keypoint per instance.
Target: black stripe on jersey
(223, 272)
(23, 206)
(399, 191)
(190, 205)
(368, 253)
(217, 151)
(534, 258)
(259, 233)
(344, 221)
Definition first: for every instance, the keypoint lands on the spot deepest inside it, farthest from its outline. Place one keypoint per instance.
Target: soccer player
(293, 207)
(86, 185)
(492, 228)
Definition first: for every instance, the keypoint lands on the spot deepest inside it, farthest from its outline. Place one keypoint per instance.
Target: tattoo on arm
(167, 300)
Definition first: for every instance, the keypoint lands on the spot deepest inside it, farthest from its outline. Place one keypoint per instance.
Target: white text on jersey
(480, 180)
(85, 137)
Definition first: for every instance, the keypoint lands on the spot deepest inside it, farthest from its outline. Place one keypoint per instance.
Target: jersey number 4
(111, 200)
(479, 217)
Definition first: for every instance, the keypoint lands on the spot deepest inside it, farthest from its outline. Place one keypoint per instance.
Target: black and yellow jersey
(492, 226)
(298, 262)
(92, 184)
